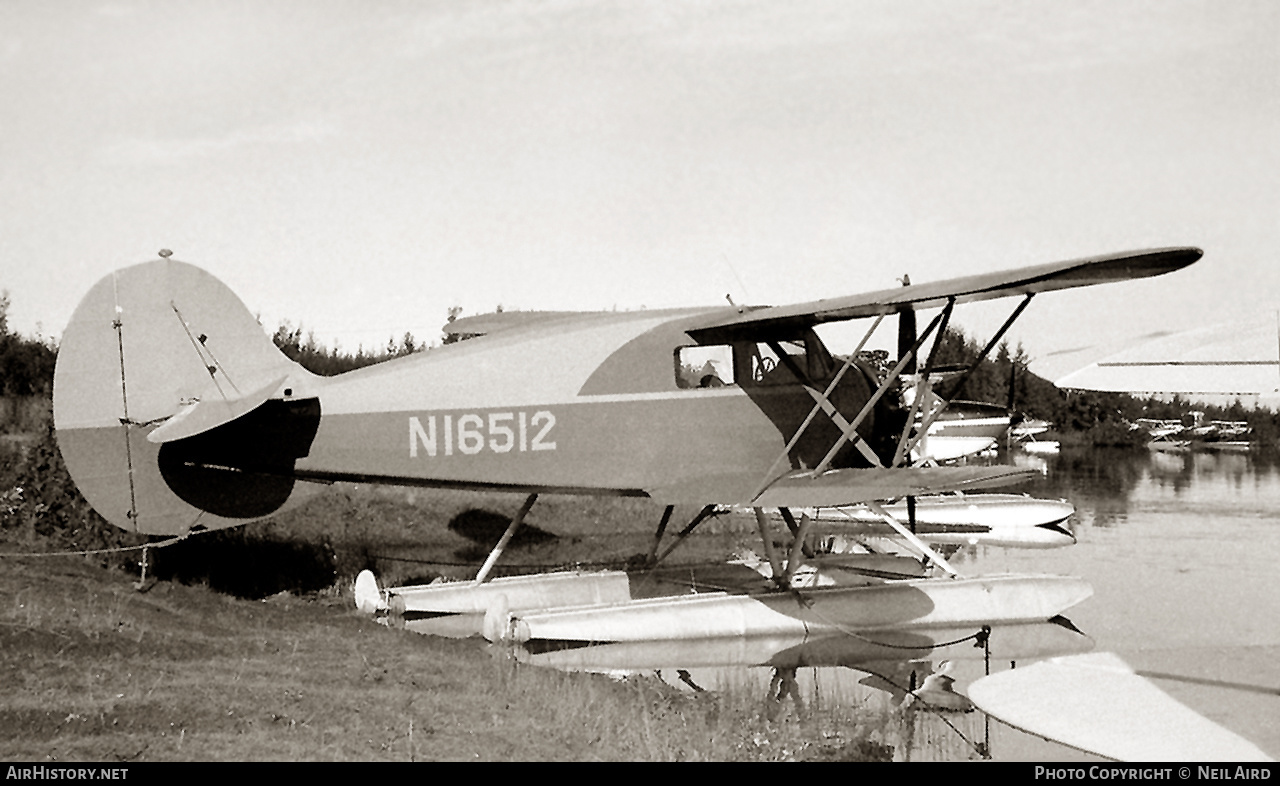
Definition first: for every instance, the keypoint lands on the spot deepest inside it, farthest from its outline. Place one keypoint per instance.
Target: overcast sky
(359, 167)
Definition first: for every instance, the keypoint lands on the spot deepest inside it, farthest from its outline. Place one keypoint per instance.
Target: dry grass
(93, 670)
(249, 647)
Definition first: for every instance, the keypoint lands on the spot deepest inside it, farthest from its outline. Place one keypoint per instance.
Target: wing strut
(850, 431)
(918, 402)
(929, 417)
(911, 538)
(1008, 323)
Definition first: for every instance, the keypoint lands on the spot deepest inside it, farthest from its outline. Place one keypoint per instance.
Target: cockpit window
(704, 366)
(776, 362)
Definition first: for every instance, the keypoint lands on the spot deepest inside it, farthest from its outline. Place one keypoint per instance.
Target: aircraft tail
(173, 409)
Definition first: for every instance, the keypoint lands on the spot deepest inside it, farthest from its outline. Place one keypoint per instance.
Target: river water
(1181, 552)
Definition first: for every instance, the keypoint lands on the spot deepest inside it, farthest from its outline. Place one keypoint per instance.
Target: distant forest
(318, 359)
(26, 374)
(26, 365)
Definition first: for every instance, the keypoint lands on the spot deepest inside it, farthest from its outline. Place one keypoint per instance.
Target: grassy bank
(249, 647)
(94, 670)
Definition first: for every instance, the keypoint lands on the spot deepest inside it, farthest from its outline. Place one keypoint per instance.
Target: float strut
(505, 539)
(795, 529)
(774, 563)
(657, 536)
(684, 533)
(798, 549)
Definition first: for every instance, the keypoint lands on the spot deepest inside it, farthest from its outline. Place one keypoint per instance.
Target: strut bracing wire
(922, 384)
(202, 349)
(850, 431)
(911, 538)
(817, 407)
(118, 325)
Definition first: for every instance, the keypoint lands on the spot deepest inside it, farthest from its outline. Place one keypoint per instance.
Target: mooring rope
(980, 636)
(88, 552)
(981, 748)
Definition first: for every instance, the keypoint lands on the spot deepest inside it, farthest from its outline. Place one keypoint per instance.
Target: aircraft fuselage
(598, 406)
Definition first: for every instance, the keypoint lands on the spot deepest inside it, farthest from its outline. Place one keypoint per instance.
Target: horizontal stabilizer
(201, 416)
(839, 487)
(1093, 702)
(989, 286)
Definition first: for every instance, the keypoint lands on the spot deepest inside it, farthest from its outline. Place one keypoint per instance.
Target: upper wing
(508, 322)
(837, 487)
(1041, 278)
(726, 324)
(487, 324)
(1235, 359)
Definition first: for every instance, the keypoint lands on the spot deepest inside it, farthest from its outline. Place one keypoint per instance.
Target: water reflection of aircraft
(909, 668)
(1008, 520)
(865, 652)
(175, 413)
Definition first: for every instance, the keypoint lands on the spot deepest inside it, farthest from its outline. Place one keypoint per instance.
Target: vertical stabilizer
(160, 343)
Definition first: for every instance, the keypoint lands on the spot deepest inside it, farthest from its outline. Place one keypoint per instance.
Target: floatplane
(175, 414)
(1172, 436)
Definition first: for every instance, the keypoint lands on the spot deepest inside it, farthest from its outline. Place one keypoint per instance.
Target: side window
(704, 367)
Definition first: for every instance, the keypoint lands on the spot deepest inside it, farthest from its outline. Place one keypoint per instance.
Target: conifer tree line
(328, 362)
(26, 365)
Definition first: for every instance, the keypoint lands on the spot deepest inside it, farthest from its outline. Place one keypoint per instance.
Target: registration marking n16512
(472, 433)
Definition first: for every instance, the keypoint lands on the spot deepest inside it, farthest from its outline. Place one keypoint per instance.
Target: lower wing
(800, 489)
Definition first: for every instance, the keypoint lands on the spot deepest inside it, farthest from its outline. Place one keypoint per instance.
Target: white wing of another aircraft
(1241, 358)
(1098, 704)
